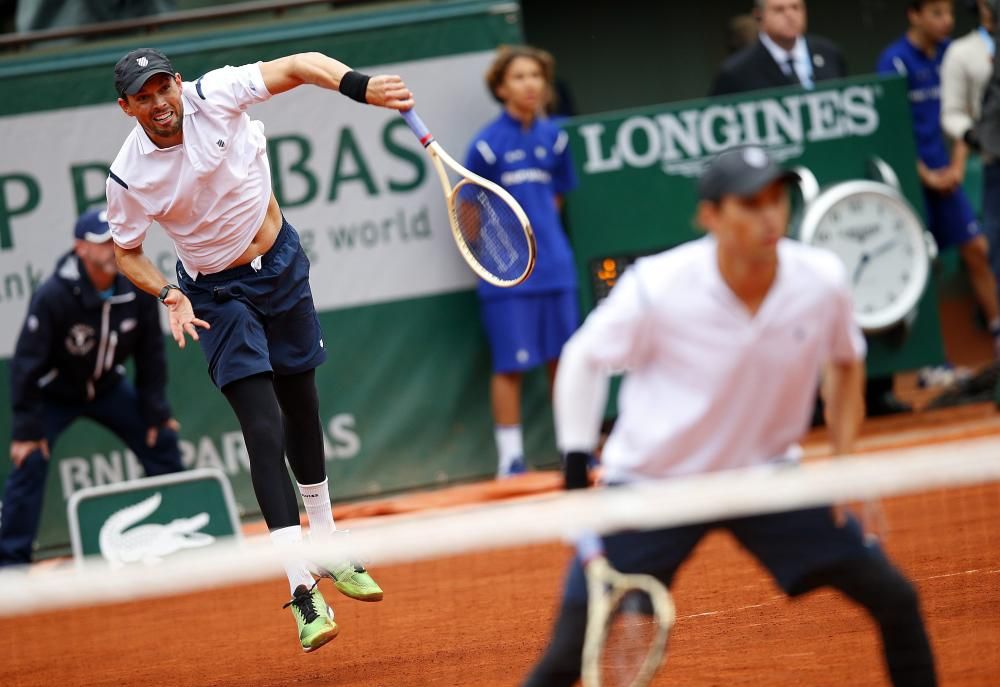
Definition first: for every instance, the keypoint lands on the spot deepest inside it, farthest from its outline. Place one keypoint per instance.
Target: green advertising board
(145, 520)
(638, 171)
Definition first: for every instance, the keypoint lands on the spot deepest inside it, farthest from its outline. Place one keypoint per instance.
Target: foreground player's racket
(628, 623)
(492, 232)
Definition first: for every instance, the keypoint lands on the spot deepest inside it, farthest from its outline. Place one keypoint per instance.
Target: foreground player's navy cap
(741, 172)
(135, 68)
(93, 227)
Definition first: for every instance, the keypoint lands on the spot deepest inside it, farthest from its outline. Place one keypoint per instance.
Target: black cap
(741, 172)
(133, 70)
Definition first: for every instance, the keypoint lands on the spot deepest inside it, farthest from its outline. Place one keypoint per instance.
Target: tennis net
(471, 592)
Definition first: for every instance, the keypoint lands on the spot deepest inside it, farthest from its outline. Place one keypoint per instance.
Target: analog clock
(882, 242)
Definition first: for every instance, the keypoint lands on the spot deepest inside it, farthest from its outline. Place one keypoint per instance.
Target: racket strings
(492, 232)
(632, 637)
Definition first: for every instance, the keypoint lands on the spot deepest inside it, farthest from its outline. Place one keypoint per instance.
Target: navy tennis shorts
(792, 546)
(528, 330)
(263, 318)
(950, 218)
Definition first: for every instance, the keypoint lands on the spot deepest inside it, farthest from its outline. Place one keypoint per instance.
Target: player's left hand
(869, 513)
(181, 317)
(153, 433)
(388, 90)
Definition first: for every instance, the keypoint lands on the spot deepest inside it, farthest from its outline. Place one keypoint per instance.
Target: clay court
(481, 620)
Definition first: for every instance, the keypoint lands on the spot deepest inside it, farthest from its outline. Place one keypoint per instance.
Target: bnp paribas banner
(639, 169)
(404, 393)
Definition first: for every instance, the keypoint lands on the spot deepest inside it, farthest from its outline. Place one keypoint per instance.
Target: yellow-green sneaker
(313, 617)
(352, 580)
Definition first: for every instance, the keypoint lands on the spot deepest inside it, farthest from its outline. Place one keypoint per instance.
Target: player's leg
(890, 598)
(239, 364)
(656, 552)
(256, 407)
(807, 549)
(120, 411)
(295, 343)
(25, 489)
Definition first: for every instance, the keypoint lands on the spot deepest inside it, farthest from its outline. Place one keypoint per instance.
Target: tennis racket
(628, 623)
(490, 227)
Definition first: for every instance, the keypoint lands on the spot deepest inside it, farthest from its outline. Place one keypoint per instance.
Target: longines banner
(639, 167)
(404, 393)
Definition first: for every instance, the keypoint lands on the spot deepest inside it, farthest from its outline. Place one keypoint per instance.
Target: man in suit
(782, 55)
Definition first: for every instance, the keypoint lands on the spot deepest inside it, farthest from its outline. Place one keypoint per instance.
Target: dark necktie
(792, 74)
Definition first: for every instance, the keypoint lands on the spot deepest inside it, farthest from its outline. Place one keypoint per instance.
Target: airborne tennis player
(196, 163)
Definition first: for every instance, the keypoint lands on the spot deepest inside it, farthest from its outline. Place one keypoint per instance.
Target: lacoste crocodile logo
(149, 543)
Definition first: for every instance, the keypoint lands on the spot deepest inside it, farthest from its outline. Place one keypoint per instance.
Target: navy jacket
(754, 68)
(73, 347)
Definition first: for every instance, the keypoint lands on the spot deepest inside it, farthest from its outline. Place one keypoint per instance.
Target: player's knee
(888, 594)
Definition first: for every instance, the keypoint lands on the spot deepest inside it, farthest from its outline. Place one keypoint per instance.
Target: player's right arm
(286, 73)
(611, 340)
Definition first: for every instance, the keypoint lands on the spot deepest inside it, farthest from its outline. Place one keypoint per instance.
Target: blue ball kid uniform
(528, 324)
(950, 216)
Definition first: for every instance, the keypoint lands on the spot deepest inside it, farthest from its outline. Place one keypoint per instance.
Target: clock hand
(884, 248)
(862, 263)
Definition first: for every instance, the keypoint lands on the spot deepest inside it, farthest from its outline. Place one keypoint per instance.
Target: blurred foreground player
(723, 340)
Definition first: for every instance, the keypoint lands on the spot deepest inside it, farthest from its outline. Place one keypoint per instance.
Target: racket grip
(417, 126)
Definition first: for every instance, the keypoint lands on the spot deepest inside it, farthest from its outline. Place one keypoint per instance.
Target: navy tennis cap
(93, 226)
(135, 68)
(741, 172)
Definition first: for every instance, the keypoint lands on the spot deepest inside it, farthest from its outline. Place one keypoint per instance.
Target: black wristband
(355, 86)
(165, 291)
(971, 138)
(575, 470)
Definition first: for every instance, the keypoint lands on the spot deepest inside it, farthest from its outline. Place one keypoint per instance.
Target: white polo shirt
(709, 387)
(211, 192)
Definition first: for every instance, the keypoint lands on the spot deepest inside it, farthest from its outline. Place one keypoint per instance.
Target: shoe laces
(305, 604)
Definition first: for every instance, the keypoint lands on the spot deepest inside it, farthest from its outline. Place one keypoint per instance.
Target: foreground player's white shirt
(211, 192)
(708, 387)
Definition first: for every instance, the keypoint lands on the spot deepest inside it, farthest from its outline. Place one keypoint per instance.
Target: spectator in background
(965, 74)
(918, 56)
(83, 324)
(526, 153)
(782, 55)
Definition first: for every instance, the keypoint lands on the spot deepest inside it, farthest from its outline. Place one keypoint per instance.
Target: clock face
(881, 241)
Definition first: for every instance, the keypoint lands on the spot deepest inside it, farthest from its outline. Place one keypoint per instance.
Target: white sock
(510, 444)
(296, 568)
(316, 498)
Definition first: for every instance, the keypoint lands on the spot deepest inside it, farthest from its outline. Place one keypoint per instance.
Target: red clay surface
(482, 620)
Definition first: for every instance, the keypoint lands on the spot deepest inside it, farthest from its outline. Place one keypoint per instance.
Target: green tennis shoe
(313, 617)
(352, 580)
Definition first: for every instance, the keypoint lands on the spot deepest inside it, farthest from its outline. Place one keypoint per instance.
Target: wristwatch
(166, 290)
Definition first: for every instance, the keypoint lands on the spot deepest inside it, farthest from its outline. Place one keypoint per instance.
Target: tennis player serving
(723, 340)
(196, 163)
